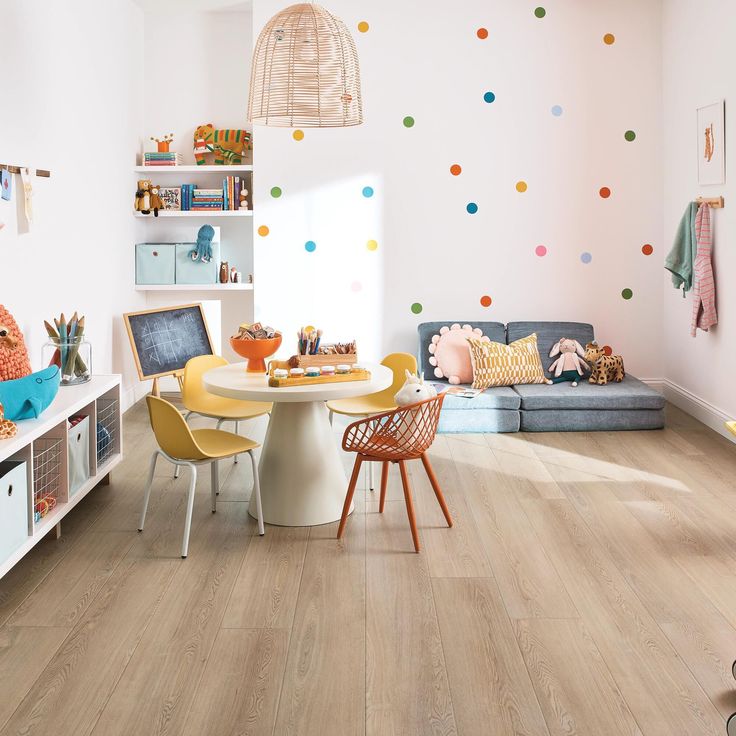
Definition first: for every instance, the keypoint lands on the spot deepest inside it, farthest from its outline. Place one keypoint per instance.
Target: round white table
(301, 473)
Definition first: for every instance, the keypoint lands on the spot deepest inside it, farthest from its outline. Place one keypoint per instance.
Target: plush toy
(8, 429)
(143, 197)
(569, 366)
(243, 204)
(604, 368)
(156, 202)
(224, 273)
(27, 397)
(451, 354)
(14, 361)
(203, 250)
(226, 146)
(414, 390)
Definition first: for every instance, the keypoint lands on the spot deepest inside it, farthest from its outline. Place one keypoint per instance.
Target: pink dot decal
(541, 251)
(356, 286)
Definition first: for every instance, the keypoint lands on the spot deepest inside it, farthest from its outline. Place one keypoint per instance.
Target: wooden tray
(305, 361)
(311, 380)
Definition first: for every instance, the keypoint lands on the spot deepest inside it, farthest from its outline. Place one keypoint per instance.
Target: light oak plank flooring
(587, 588)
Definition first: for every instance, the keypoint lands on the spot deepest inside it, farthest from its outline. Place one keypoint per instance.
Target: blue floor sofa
(561, 407)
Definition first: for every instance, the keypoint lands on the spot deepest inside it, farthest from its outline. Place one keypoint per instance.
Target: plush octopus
(450, 353)
(14, 362)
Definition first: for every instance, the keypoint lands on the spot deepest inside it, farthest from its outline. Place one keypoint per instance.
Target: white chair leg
(176, 467)
(257, 491)
(147, 495)
(219, 422)
(190, 508)
(331, 415)
(214, 484)
(370, 476)
(237, 431)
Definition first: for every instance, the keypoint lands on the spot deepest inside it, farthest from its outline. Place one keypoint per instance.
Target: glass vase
(73, 356)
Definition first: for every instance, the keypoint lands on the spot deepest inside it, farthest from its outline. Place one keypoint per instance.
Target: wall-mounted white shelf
(198, 213)
(205, 169)
(194, 287)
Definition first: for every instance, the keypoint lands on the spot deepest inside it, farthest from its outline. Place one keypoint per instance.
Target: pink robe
(704, 289)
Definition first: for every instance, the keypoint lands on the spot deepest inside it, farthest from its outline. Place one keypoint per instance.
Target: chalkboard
(164, 339)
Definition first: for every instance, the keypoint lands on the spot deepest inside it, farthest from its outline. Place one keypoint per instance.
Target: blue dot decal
(556, 111)
(586, 257)
(367, 191)
(472, 208)
(310, 246)
(489, 97)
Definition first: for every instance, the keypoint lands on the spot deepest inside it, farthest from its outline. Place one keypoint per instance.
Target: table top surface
(233, 382)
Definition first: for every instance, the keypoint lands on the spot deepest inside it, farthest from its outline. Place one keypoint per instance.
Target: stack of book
(207, 199)
(163, 158)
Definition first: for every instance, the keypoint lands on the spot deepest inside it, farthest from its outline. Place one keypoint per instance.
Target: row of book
(226, 198)
(162, 158)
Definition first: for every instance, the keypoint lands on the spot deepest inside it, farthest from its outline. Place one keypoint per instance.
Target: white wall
(699, 57)
(71, 102)
(424, 59)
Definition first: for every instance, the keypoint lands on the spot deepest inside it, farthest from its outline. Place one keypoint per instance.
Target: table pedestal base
(301, 473)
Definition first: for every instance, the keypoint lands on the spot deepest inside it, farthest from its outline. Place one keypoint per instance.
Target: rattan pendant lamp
(305, 71)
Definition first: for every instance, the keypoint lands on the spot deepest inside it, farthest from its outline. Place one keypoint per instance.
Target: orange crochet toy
(14, 361)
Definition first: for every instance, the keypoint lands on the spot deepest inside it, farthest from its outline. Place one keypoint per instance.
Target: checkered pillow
(496, 364)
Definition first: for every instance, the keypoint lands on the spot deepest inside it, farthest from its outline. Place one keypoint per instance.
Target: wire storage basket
(108, 409)
(47, 468)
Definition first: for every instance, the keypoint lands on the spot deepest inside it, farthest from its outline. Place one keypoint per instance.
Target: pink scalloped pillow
(450, 352)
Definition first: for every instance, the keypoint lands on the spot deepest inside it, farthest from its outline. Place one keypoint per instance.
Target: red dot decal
(647, 249)
(486, 301)
(482, 33)
(605, 192)
(456, 169)
(608, 350)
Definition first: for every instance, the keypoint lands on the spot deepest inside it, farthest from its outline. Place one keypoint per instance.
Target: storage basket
(47, 467)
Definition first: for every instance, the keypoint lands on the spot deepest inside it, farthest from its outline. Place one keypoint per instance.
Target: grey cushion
(591, 421)
(456, 421)
(501, 397)
(631, 393)
(494, 330)
(548, 333)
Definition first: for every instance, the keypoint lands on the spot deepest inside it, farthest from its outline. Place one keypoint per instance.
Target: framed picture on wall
(171, 197)
(711, 144)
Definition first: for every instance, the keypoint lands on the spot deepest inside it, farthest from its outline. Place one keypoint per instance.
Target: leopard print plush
(604, 367)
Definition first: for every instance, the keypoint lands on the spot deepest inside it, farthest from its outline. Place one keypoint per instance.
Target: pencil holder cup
(74, 358)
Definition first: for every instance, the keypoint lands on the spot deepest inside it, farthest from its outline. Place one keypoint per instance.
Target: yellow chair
(181, 445)
(198, 401)
(365, 406)
(731, 426)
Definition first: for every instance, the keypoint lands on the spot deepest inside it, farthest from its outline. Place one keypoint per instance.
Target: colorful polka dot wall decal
(609, 39)
(310, 246)
(416, 308)
(408, 121)
(456, 169)
(605, 192)
(647, 249)
(627, 294)
(486, 301)
(541, 251)
(372, 245)
(489, 97)
(482, 33)
(363, 26)
(298, 135)
(263, 231)
(608, 350)
(367, 191)
(556, 110)
(521, 186)
(630, 135)
(540, 12)
(276, 192)
(472, 208)
(586, 257)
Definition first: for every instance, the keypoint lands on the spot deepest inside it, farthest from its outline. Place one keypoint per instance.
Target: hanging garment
(682, 255)
(704, 290)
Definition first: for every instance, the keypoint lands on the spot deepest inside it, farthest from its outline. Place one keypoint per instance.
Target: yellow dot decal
(521, 186)
(609, 39)
(372, 245)
(263, 231)
(363, 26)
(298, 135)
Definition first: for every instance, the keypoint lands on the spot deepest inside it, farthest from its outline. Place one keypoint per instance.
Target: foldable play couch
(560, 407)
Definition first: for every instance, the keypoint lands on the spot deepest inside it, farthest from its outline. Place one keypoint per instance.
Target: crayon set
(68, 337)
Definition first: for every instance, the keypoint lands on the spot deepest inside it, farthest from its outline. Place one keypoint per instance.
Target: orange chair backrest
(172, 433)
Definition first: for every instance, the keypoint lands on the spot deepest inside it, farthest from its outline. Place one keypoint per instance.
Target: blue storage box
(196, 272)
(13, 507)
(155, 263)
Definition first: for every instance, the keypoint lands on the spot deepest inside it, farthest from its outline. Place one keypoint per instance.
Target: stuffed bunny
(568, 367)
(414, 390)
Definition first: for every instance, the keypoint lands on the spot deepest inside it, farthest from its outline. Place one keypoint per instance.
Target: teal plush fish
(27, 397)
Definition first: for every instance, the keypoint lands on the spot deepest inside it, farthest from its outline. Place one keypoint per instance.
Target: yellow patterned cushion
(495, 364)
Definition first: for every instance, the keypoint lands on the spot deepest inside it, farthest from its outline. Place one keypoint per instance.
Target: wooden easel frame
(178, 374)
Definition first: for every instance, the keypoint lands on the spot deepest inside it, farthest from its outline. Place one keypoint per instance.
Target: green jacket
(682, 256)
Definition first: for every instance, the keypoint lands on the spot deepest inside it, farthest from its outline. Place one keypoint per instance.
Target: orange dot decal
(263, 231)
(609, 39)
(608, 350)
(605, 192)
(521, 186)
(298, 135)
(647, 249)
(486, 301)
(455, 169)
(482, 33)
(363, 26)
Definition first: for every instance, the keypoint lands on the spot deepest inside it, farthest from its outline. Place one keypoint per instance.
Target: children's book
(464, 392)
(171, 197)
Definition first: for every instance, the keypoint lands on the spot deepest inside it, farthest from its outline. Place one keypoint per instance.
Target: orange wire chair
(395, 437)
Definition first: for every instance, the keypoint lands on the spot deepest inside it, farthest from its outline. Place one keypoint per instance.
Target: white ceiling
(212, 6)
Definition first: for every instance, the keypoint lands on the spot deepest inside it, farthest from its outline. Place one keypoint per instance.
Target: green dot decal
(275, 192)
(416, 308)
(627, 294)
(540, 12)
(630, 135)
(408, 121)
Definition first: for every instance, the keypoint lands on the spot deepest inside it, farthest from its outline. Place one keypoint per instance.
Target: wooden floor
(588, 587)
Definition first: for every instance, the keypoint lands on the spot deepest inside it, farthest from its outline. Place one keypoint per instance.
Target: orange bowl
(255, 351)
